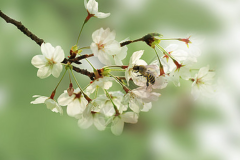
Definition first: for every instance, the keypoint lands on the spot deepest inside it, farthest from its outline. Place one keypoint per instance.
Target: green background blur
(174, 129)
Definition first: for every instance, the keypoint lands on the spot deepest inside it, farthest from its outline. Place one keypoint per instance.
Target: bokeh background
(176, 128)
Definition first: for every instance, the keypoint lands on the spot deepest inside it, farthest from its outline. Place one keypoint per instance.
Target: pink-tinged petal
(39, 99)
(102, 15)
(117, 126)
(57, 69)
(44, 72)
(64, 99)
(99, 121)
(58, 54)
(160, 83)
(85, 123)
(129, 117)
(39, 61)
(47, 50)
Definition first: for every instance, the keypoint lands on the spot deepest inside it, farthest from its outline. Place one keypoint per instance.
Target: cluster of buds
(96, 104)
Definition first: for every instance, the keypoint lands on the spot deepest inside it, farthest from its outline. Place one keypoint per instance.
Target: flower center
(100, 46)
(51, 62)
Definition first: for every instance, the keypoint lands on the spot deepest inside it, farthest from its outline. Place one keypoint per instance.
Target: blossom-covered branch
(22, 28)
(95, 103)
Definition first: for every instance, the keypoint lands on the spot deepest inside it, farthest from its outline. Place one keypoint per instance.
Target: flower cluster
(96, 104)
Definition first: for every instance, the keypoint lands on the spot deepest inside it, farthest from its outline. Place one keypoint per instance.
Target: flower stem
(118, 70)
(124, 87)
(80, 31)
(84, 48)
(160, 64)
(60, 80)
(89, 99)
(169, 39)
(115, 107)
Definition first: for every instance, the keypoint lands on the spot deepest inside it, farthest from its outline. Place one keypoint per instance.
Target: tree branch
(22, 28)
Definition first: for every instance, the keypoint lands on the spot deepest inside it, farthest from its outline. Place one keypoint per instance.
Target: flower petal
(44, 72)
(99, 121)
(53, 106)
(56, 70)
(129, 117)
(117, 126)
(85, 123)
(58, 54)
(39, 61)
(40, 99)
(102, 15)
(64, 99)
(47, 50)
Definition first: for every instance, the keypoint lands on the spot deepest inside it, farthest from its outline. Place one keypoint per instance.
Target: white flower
(193, 42)
(145, 94)
(202, 83)
(177, 54)
(118, 121)
(135, 103)
(104, 83)
(92, 8)
(183, 71)
(50, 62)
(76, 103)
(134, 60)
(51, 103)
(106, 48)
(107, 107)
(90, 116)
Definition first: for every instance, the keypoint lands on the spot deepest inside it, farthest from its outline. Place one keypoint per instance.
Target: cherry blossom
(76, 103)
(134, 60)
(202, 83)
(50, 62)
(51, 103)
(106, 48)
(92, 116)
(92, 8)
(135, 102)
(118, 121)
(104, 83)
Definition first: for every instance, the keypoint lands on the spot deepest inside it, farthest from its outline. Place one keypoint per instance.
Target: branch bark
(22, 28)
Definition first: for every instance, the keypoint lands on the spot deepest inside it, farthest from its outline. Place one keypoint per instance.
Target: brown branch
(22, 28)
(91, 75)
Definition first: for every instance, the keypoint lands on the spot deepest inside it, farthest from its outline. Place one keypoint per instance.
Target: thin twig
(22, 28)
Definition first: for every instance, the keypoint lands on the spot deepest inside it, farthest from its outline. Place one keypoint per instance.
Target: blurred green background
(176, 128)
